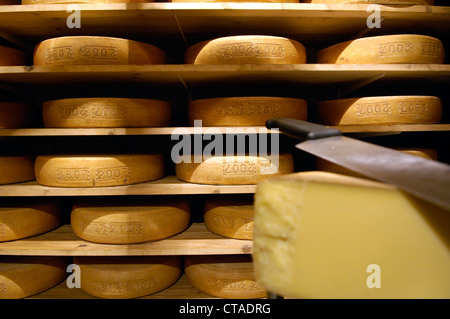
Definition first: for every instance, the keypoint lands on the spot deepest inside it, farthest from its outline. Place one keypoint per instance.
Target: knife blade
(420, 177)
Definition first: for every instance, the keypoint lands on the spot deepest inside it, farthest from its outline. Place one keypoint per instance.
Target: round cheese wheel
(381, 110)
(118, 221)
(229, 216)
(94, 50)
(23, 276)
(383, 2)
(16, 169)
(128, 276)
(15, 115)
(241, 49)
(26, 217)
(234, 170)
(225, 276)
(82, 1)
(10, 56)
(402, 48)
(98, 170)
(245, 111)
(106, 112)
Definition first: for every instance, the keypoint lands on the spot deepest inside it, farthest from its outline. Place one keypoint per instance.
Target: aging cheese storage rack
(184, 24)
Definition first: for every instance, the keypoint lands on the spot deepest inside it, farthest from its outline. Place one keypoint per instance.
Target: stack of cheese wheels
(15, 115)
(242, 49)
(21, 218)
(24, 276)
(127, 277)
(388, 49)
(245, 111)
(81, 1)
(95, 50)
(118, 221)
(386, 2)
(381, 110)
(225, 276)
(16, 169)
(106, 112)
(10, 56)
(229, 216)
(234, 170)
(98, 170)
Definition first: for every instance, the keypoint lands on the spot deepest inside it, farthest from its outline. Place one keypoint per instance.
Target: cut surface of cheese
(118, 221)
(106, 112)
(383, 2)
(128, 276)
(324, 235)
(15, 115)
(381, 110)
(254, 49)
(95, 50)
(245, 111)
(10, 56)
(16, 169)
(98, 170)
(388, 49)
(24, 276)
(225, 276)
(234, 170)
(82, 1)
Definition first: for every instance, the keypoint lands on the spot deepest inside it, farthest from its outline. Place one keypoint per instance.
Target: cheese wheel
(15, 115)
(98, 170)
(24, 276)
(245, 111)
(106, 112)
(385, 49)
(382, 2)
(234, 170)
(381, 110)
(82, 1)
(94, 50)
(225, 276)
(128, 276)
(229, 216)
(16, 169)
(253, 49)
(127, 222)
(21, 218)
(10, 56)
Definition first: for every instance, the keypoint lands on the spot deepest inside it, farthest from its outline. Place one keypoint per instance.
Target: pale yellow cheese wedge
(16, 115)
(385, 2)
(225, 276)
(16, 169)
(324, 235)
(245, 111)
(385, 49)
(242, 49)
(98, 170)
(82, 1)
(96, 50)
(10, 56)
(127, 277)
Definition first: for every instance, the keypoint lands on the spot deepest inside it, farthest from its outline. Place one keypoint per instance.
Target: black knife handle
(301, 129)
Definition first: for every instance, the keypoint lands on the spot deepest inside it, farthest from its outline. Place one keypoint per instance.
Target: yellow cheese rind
(382, 2)
(82, 1)
(245, 111)
(234, 170)
(253, 49)
(385, 49)
(15, 115)
(95, 50)
(323, 235)
(16, 169)
(226, 276)
(106, 112)
(98, 170)
(24, 276)
(381, 110)
(129, 222)
(129, 276)
(10, 56)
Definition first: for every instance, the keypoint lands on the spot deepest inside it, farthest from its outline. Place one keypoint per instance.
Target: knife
(420, 177)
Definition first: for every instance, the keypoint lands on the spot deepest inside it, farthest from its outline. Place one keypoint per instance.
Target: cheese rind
(16, 169)
(382, 2)
(324, 235)
(10, 56)
(15, 115)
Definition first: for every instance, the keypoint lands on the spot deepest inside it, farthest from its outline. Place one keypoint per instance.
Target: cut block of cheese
(224, 276)
(234, 170)
(382, 2)
(242, 49)
(82, 1)
(106, 112)
(381, 110)
(16, 169)
(98, 170)
(24, 276)
(15, 115)
(95, 50)
(10, 56)
(26, 217)
(245, 111)
(324, 235)
(118, 221)
(229, 216)
(128, 276)
(385, 49)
